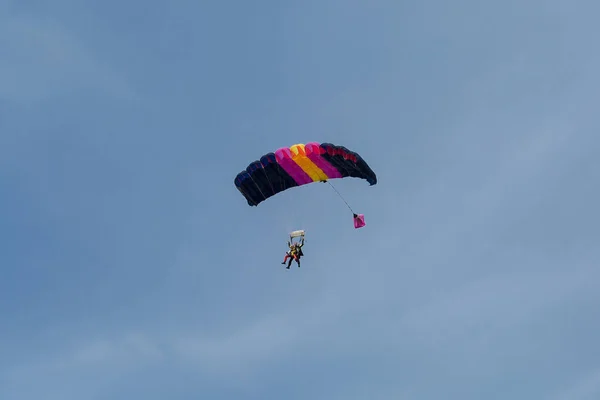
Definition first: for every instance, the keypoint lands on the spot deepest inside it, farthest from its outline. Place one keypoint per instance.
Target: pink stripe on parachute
(313, 152)
(284, 158)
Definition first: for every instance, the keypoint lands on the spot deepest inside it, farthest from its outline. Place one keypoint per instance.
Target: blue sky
(132, 267)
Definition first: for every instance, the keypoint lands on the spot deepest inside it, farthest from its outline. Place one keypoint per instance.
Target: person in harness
(294, 253)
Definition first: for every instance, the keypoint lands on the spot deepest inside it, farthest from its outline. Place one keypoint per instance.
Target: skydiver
(294, 253)
(291, 254)
(299, 249)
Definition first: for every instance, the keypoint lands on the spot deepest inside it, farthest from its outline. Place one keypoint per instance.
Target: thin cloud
(41, 59)
(587, 387)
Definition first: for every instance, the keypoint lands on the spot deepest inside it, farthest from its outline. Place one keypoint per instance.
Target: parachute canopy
(299, 165)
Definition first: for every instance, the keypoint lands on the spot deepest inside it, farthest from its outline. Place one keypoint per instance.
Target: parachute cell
(299, 165)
